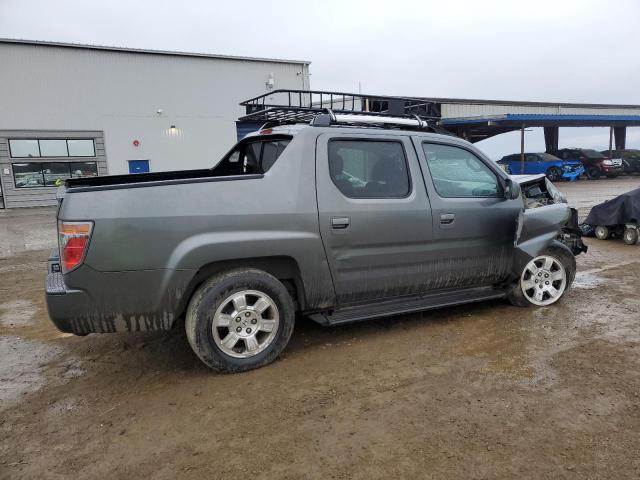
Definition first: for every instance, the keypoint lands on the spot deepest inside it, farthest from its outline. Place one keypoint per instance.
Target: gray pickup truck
(334, 220)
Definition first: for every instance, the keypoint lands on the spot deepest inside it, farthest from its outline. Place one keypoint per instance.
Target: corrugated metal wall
(41, 196)
(120, 93)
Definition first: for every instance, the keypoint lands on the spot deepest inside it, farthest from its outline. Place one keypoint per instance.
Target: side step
(399, 306)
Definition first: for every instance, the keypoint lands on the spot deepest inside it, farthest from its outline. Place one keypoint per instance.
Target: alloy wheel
(543, 280)
(245, 323)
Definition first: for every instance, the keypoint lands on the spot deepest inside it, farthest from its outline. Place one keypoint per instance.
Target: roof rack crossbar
(341, 102)
(325, 108)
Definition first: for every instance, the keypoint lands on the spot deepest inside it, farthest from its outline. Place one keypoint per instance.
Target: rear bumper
(106, 302)
(66, 307)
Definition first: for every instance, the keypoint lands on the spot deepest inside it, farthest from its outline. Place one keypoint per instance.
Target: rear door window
(457, 172)
(369, 168)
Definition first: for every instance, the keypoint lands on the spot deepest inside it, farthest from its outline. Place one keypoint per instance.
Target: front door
(474, 226)
(374, 214)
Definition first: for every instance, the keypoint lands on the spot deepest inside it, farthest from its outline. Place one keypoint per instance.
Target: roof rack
(324, 108)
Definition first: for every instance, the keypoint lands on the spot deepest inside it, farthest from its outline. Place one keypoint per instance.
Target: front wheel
(545, 279)
(240, 320)
(554, 174)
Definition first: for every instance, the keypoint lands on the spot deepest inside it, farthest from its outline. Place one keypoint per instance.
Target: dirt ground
(480, 391)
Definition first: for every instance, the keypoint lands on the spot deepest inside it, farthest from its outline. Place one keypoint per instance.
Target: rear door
(374, 214)
(474, 226)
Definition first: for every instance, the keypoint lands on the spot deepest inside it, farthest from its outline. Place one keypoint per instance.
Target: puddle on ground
(587, 280)
(17, 313)
(21, 369)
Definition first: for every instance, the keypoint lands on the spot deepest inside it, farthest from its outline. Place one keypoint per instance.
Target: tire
(560, 276)
(602, 232)
(554, 174)
(630, 236)
(266, 314)
(593, 173)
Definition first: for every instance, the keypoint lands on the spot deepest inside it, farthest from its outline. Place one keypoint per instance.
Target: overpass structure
(471, 119)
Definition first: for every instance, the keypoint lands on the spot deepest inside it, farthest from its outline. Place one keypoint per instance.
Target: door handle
(447, 218)
(340, 223)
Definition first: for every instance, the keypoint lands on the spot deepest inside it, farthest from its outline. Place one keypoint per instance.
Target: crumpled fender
(537, 228)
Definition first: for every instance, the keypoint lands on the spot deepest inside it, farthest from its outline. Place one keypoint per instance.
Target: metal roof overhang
(476, 129)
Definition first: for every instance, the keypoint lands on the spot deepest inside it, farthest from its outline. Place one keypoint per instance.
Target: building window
(50, 174)
(55, 173)
(28, 175)
(81, 148)
(34, 148)
(24, 148)
(83, 169)
(53, 148)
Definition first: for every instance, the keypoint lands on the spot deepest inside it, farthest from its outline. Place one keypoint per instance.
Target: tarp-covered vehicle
(618, 217)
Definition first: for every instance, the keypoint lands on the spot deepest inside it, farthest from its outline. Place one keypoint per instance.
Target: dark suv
(595, 163)
(630, 159)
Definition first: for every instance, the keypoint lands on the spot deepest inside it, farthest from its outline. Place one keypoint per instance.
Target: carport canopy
(475, 129)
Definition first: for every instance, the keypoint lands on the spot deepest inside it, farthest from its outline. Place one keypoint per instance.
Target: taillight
(73, 240)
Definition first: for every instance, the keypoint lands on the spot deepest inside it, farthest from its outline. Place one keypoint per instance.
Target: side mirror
(511, 189)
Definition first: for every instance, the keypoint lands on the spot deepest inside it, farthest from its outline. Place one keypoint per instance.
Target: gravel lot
(480, 391)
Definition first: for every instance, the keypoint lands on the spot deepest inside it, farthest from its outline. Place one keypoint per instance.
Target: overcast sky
(569, 51)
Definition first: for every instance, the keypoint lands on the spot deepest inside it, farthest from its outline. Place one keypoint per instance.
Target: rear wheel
(545, 279)
(554, 174)
(593, 173)
(240, 320)
(630, 236)
(602, 232)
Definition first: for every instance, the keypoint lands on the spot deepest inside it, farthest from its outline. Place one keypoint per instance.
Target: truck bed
(150, 179)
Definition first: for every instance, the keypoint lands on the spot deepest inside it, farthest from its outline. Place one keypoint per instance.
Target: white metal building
(72, 110)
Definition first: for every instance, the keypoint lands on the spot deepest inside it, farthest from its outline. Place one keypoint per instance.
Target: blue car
(554, 168)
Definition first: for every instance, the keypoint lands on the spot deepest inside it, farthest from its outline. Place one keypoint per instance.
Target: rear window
(592, 154)
(271, 151)
(252, 157)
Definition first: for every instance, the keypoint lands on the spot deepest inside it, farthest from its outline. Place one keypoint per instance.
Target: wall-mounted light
(173, 132)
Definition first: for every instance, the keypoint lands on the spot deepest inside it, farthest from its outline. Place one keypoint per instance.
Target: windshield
(548, 156)
(592, 154)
